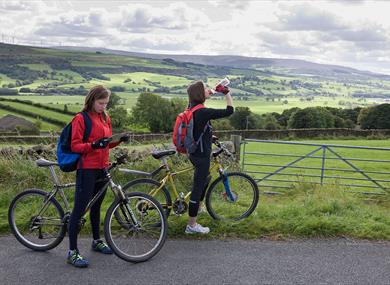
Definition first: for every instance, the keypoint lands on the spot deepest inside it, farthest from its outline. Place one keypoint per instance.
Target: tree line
(158, 115)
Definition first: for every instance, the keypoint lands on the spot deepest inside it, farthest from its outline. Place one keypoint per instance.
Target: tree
(222, 124)
(156, 113)
(240, 118)
(285, 116)
(270, 122)
(118, 89)
(377, 117)
(312, 117)
(119, 117)
(114, 101)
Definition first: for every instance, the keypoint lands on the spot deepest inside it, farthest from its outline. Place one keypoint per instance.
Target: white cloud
(145, 18)
(73, 25)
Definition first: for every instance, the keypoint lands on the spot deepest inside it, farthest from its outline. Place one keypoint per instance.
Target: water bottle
(222, 86)
(224, 82)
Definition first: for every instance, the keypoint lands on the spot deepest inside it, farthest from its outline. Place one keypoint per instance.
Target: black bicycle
(39, 222)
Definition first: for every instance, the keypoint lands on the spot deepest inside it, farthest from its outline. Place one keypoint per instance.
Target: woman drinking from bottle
(198, 93)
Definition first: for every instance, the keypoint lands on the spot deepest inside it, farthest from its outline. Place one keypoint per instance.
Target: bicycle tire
(27, 213)
(221, 208)
(151, 218)
(163, 196)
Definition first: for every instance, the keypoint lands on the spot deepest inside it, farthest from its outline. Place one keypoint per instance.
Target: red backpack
(183, 137)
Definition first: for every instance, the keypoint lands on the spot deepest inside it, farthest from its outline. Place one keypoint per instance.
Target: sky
(349, 33)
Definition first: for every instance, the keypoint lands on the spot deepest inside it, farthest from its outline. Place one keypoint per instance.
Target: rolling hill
(62, 77)
(282, 66)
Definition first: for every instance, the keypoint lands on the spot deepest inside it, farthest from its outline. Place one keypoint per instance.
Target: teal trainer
(76, 259)
(101, 246)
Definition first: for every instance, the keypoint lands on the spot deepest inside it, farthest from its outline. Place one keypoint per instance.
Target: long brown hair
(196, 92)
(96, 93)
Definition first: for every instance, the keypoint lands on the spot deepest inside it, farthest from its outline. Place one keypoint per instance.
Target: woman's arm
(212, 114)
(229, 99)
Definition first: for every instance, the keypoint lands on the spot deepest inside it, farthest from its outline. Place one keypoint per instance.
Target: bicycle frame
(58, 188)
(168, 178)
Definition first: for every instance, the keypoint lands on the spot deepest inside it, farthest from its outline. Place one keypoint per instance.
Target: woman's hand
(102, 143)
(124, 138)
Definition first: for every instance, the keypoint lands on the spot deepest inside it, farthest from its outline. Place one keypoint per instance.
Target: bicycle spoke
(233, 199)
(39, 232)
(136, 242)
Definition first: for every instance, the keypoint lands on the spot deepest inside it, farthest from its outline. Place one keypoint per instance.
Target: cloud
(307, 18)
(356, 34)
(74, 24)
(145, 18)
(17, 6)
(369, 34)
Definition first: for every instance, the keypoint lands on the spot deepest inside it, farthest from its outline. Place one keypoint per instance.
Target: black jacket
(201, 117)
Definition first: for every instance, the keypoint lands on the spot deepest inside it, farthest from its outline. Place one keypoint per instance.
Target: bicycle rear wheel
(141, 230)
(36, 222)
(232, 197)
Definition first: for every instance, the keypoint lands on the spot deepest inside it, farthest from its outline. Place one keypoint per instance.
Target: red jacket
(91, 158)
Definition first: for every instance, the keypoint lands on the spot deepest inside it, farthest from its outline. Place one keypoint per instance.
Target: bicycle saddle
(160, 154)
(43, 162)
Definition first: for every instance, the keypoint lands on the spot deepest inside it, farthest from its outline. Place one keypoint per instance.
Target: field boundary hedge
(33, 115)
(253, 134)
(39, 105)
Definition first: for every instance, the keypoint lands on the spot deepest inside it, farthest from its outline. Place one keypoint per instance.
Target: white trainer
(197, 228)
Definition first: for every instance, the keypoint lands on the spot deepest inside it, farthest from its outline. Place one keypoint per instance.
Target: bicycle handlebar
(119, 160)
(222, 148)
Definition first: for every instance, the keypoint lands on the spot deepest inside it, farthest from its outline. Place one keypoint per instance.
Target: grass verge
(305, 212)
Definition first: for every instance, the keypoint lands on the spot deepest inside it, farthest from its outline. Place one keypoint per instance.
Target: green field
(37, 66)
(45, 126)
(258, 106)
(40, 111)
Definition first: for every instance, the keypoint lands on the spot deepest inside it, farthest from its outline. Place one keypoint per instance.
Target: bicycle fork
(127, 212)
(228, 193)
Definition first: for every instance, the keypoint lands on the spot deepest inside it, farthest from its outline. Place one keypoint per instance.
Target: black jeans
(87, 185)
(202, 165)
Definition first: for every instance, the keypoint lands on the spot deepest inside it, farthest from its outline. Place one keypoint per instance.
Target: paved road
(207, 262)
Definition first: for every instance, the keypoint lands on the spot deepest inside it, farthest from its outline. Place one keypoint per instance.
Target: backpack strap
(201, 136)
(88, 126)
(197, 107)
(193, 109)
(87, 131)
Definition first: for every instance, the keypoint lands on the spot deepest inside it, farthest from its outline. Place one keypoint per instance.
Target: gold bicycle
(231, 196)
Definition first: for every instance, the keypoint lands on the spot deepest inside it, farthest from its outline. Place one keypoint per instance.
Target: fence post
(236, 139)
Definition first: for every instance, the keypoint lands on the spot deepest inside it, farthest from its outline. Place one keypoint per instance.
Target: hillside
(282, 66)
(62, 77)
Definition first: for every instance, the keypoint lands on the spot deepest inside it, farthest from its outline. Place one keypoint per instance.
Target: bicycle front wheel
(141, 230)
(36, 222)
(233, 196)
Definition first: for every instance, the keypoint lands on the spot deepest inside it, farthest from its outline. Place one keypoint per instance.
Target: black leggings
(86, 187)
(202, 165)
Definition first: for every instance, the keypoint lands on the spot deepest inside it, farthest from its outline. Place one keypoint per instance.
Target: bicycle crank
(179, 206)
